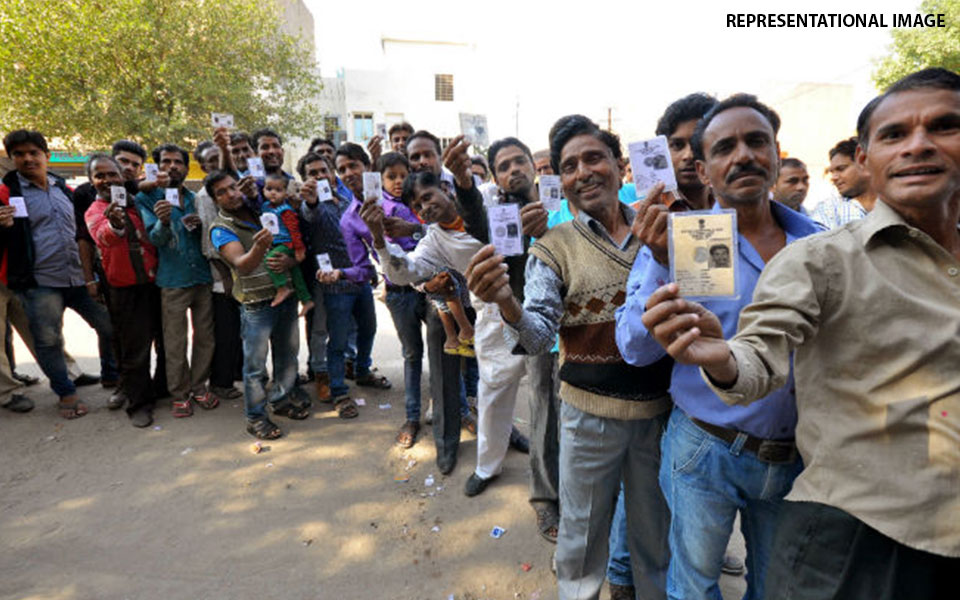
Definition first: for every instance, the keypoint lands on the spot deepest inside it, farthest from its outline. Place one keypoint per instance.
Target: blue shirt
(773, 418)
(181, 260)
(283, 237)
(53, 227)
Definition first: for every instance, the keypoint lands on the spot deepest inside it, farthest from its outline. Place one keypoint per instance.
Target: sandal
(72, 410)
(182, 408)
(374, 380)
(469, 423)
(548, 524)
(466, 350)
(407, 436)
(264, 429)
(346, 408)
(206, 401)
(288, 409)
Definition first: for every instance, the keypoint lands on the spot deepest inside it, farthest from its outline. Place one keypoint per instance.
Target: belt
(771, 451)
(392, 287)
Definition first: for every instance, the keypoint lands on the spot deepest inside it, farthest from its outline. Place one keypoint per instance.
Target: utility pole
(516, 117)
(609, 118)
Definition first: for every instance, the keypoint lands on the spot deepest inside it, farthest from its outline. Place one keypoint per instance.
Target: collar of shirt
(882, 218)
(599, 229)
(24, 182)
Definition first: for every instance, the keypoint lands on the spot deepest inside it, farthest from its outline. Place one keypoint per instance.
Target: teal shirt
(182, 263)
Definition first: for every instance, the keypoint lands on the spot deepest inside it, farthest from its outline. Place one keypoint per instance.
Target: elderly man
(878, 390)
(612, 413)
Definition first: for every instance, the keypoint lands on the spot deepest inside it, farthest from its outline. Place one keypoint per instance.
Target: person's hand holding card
(375, 148)
(372, 215)
(457, 158)
(6, 216)
(247, 186)
(114, 213)
(689, 333)
(163, 210)
(191, 221)
(650, 223)
(534, 218)
(308, 192)
(487, 278)
(263, 240)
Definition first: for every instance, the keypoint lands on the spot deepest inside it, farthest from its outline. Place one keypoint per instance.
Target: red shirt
(115, 247)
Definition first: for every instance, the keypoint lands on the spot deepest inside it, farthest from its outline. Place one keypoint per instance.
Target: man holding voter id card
(612, 413)
(718, 461)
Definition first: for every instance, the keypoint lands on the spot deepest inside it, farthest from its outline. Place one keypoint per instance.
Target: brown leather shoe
(322, 381)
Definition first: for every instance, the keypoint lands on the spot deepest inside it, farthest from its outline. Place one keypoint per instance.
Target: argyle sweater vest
(594, 377)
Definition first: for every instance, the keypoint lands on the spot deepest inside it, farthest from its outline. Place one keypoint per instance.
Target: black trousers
(227, 365)
(135, 314)
(824, 553)
(445, 389)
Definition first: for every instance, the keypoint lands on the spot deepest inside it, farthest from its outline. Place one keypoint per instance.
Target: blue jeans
(618, 567)
(408, 308)
(261, 326)
(470, 380)
(44, 307)
(340, 308)
(706, 481)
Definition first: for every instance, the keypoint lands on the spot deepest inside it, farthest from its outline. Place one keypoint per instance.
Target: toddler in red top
(287, 241)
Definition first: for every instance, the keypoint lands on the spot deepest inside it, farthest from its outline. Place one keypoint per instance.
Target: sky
(634, 58)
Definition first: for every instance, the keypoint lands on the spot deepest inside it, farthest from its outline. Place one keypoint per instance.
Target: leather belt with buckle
(771, 451)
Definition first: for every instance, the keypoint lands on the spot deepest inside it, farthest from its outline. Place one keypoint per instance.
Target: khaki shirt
(872, 311)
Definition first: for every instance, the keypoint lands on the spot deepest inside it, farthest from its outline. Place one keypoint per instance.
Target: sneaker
(85, 379)
(518, 441)
(182, 408)
(117, 400)
(26, 380)
(18, 403)
(476, 484)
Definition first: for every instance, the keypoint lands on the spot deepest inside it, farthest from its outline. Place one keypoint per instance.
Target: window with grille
(443, 88)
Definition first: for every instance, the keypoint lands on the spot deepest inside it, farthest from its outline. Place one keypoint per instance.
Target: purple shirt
(358, 238)
(393, 207)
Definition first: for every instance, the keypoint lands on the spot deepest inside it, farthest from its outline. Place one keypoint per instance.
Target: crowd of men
(822, 406)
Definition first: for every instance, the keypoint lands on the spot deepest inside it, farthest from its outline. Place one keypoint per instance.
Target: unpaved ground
(96, 509)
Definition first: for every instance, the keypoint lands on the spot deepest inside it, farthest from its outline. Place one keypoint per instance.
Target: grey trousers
(596, 454)
(543, 371)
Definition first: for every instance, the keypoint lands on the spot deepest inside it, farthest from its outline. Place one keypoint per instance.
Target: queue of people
(821, 407)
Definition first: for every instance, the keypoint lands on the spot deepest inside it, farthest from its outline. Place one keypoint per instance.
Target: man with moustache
(873, 514)
(717, 462)
(792, 185)
(612, 413)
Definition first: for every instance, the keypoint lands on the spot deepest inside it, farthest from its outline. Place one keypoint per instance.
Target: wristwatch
(418, 235)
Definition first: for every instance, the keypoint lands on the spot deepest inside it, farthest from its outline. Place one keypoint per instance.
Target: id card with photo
(506, 230)
(222, 120)
(172, 195)
(324, 263)
(118, 195)
(255, 167)
(19, 207)
(270, 223)
(651, 164)
(382, 130)
(151, 170)
(703, 254)
(550, 192)
(474, 128)
(372, 187)
(324, 193)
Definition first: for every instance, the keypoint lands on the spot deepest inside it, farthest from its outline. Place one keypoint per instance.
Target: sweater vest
(255, 286)
(594, 377)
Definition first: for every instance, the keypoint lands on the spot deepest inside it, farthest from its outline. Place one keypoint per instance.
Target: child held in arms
(287, 241)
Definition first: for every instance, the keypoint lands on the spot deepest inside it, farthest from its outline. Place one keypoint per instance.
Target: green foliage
(89, 72)
(919, 48)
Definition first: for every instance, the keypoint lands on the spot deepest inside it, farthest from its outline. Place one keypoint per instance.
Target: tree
(89, 72)
(919, 48)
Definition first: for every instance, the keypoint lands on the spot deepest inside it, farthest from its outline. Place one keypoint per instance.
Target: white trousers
(500, 375)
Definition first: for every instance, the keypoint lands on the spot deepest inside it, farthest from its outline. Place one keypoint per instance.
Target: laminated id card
(703, 254)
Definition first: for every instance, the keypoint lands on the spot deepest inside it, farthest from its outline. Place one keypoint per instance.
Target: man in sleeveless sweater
(612, 413)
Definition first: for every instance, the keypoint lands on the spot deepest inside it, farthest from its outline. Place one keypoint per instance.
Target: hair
(308, 158)
(415, 180)
(735, 101)
(392, 159)
(128, 146)
(238, 137)
(792, 163)
(265, 132)
(321, 141)
(97, 157)
(24, 136)
(545, 153)
(934, 78)
(275, 177)
(212, 179)
(200, 149)
(353, 151)
(423, 133)
(688, 108)
(170, 148)
(404, 126)
(499, 145)
(847, 147)
(479, 160)
(570, 126)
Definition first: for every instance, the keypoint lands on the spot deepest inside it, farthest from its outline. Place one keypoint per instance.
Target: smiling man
(612, 413)
(715, 461)
(874, 512)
